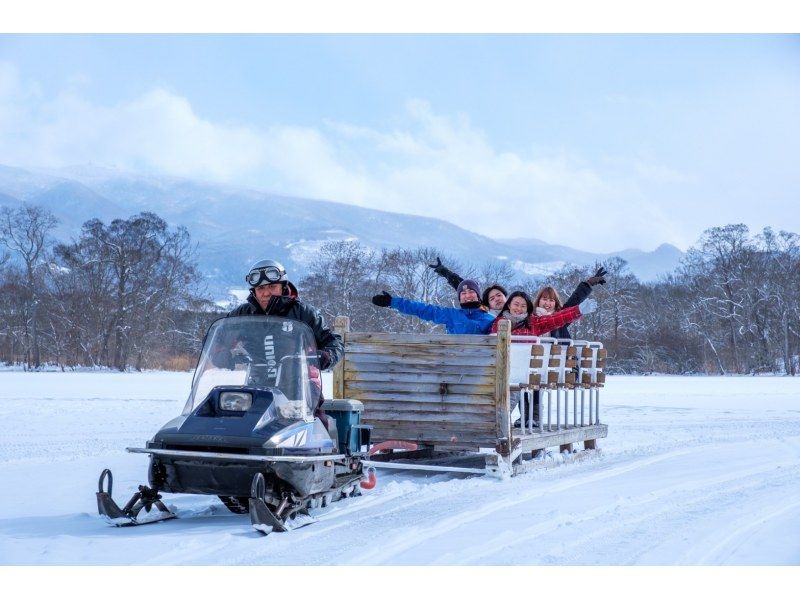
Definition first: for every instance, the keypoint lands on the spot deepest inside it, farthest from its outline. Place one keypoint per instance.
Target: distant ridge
(234, 226)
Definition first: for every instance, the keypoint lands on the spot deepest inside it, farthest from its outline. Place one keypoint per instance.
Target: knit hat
(468, 283)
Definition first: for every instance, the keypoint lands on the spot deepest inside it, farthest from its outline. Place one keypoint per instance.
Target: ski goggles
(266, 275)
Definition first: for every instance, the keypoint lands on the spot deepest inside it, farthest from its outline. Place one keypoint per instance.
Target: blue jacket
(456, 319)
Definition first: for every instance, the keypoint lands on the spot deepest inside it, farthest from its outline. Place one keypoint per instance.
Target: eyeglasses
(270, 274)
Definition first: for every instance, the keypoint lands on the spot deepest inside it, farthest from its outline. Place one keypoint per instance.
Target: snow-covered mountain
(235, 226)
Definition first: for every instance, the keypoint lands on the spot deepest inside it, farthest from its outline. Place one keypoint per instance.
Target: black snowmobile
(248, 433)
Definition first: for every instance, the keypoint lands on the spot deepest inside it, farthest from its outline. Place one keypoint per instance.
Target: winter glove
(588, 307)
(324, 358)
(438, 267)
(382, 300)
(598, 278)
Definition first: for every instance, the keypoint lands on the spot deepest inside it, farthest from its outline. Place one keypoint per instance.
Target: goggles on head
(265, 275)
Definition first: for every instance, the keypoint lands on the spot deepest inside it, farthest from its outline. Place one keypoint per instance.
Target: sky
(598, 142)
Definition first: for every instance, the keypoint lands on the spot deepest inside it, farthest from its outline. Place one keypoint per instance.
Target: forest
(129, 294)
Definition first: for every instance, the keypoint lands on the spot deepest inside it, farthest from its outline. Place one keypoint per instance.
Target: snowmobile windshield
(261, 352)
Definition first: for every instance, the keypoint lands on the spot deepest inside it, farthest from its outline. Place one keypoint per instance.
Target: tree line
(732, 307)
(128, 294)
(120, 295)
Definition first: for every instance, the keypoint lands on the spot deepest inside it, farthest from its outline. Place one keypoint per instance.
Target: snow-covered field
(694, 471)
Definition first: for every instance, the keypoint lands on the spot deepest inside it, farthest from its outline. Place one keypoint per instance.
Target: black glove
(382, 300)
(598, 278)
(324, 358)
(437, 267)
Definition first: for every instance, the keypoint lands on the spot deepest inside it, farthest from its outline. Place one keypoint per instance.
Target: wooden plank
(422, 339)
(428, 351)
(445, 425)
(425, 452)
(385, 431)
(421, 368)
(450, 418)
(502, 416)
(426, 388)
(341, 326)
(421, 400)
(410, 359)
(367, 395)
(530, 442)
(417, 378)
(379, 407)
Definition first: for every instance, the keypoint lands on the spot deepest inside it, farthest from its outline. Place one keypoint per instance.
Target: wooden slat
(417, 378)
(422, 339)
(399, 398)
(454, 409)
(502, 416)
(529, 442)
(404, 430)
(425, 388)
(450, 419)
(422, 351)
(423, 425)
(366, 395)
(358, 367)
(436, 436)
(377, 358)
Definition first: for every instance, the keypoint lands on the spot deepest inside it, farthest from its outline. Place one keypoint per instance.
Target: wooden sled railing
(446, 392)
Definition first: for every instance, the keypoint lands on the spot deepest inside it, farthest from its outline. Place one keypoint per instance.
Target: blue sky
(600, 142)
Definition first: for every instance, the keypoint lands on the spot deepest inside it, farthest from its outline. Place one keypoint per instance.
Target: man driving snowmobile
(271, 294)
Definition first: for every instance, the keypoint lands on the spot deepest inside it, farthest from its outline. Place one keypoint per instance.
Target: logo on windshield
(287, 327)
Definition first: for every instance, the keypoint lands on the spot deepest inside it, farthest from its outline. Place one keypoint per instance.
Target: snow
(696, 470)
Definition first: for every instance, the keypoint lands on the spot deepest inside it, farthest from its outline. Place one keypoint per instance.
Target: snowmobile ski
(261, 517)
(137, 511)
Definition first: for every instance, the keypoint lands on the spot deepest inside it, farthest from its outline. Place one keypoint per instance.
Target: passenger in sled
(546, 303)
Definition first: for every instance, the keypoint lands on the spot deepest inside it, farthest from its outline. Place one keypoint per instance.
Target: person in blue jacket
(467, 319)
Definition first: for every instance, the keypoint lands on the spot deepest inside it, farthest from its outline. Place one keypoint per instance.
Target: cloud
(432, 164)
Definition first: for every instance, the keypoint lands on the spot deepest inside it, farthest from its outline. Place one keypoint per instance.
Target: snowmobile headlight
(235, 401)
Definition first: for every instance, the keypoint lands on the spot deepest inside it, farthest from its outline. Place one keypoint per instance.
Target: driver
(271, 295)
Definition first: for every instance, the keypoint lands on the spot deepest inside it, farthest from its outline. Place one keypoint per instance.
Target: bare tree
(25, 232)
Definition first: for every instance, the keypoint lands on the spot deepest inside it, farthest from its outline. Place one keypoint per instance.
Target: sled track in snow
(449, 523)
(626, 514)
(412, 495)
(447, 515)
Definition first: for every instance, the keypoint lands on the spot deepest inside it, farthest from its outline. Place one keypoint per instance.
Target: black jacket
(580, 293)
(452, 278)
(286, 307)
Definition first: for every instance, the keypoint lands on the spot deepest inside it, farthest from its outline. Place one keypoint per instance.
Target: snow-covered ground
(695, 471)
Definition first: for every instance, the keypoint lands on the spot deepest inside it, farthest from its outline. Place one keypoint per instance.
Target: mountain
(233, 227)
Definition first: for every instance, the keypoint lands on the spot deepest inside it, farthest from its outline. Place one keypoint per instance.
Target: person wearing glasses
(271, 294)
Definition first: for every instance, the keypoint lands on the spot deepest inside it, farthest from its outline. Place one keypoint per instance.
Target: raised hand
(437, 265)
(598, 278)
(382, 300)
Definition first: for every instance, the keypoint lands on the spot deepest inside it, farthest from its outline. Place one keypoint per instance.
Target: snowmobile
(248, 433)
